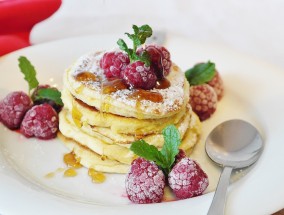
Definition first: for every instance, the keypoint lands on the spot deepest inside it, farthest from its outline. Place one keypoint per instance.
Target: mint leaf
(142, 33)
(50, 94)
(29, 72)
(164, 158)
(147, 151)
(171, 145)
(138, 38)
(123, 46)
(200, 73)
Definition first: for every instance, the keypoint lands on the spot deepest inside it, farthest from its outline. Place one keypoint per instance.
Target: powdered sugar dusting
(13, 108)
(173, 96)
(145, 182)
(187, 179)
(40, 121)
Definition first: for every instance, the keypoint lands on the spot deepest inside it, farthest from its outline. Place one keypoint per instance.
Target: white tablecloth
(255, 27)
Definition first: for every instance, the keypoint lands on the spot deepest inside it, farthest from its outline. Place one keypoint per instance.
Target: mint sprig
(50, 94)
(29, 72)
(149, 152)
(164, 158)
(138, 38)
(30, 76)
(200, 73)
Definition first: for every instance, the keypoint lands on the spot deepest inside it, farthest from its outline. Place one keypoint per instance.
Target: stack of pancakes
(101, 118)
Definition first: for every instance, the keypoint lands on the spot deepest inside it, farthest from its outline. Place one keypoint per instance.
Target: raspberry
(137, 75)
(42, 101)
(187, 179)
(181, 154)
(203, 100)
(145, 182)
(113, 63)
(218, 85)
(40, 121)
(13, 108)
(160, 59)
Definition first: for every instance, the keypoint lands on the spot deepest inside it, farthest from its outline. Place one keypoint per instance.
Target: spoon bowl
(233, 144)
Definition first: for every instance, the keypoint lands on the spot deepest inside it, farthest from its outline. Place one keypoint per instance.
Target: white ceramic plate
(254, 92)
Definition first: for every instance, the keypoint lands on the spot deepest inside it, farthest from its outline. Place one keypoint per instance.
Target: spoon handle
(218, 204)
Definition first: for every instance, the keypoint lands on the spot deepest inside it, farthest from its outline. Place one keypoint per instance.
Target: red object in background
(17, 18)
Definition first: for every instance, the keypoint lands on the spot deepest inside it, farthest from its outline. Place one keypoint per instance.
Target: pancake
(86, 82)
(115, 158)
(113, 149)
(118, 124)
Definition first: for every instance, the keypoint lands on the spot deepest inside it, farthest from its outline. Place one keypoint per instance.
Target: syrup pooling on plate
(70, 172)
(52, 174)
(73, 162)
(97, 177)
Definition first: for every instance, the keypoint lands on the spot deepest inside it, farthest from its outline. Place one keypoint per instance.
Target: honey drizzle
(113, 85)
(76, 115)
(80, 89)
(70, 172)
(86, 76)
(73, 163)
(71, 160)
(52, 174)
(97, 177)
(140, 94)
(163, 84)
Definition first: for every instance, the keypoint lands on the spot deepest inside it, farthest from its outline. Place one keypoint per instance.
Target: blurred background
(254, 27)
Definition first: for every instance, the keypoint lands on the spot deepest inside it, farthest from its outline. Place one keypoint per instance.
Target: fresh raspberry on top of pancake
(160, 59)
(113, 63)
(138, 75)
(147, 65)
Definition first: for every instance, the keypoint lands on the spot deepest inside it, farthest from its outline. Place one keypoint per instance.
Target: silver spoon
(233, 144)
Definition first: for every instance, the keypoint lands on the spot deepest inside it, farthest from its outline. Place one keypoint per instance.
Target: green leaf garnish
(164, 158)
(138, 38)
(171, 143)
(200, 73)
(50, 94)
(123, 46)
(149, 152)
(29, 72)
